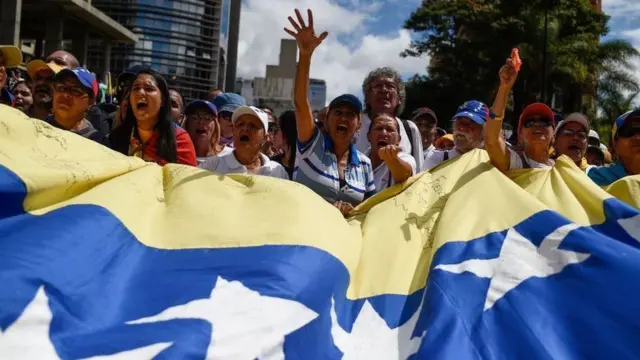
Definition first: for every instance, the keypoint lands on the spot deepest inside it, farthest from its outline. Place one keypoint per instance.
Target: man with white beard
(468, 124)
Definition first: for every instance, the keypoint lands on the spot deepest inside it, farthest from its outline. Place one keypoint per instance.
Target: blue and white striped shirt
(317, 169)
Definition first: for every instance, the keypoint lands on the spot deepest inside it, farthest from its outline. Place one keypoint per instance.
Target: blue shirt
(6, 97)
(317, 168)
(606, 175)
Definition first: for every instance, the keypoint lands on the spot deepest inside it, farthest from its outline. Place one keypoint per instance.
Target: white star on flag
(371, 337)
(518, 261)
(245, 324)
(631, 226)
(28, 336)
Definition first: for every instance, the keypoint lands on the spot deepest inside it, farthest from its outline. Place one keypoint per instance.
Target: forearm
(494, 142)
(399, 169)
(304, 115)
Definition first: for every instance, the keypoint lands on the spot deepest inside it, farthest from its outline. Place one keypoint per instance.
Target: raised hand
(389, 152)
(508, 73)
(305, 35)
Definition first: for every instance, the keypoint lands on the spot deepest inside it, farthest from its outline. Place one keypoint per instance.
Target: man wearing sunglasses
(571, 139)
(227, 103)
(74, 91)
(626, 142)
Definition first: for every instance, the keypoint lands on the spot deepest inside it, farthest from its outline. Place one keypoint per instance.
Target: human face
(342, 123)
(571, 141)
(201, 126)
(447, 144)
(427, 127)
(42, 87)
(383, 98)
(63, 59)
(226, 126)
(627, 142)
(467, 134)
(248, 134)
(537, 131)
(145, 99)
(594, 158)
(176, 106)
(70, 101)
(23, 96)
(384, 131)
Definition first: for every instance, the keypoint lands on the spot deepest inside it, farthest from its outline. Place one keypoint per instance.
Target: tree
(468, 41)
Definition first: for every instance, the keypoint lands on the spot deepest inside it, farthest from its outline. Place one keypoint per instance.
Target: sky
(363, 35)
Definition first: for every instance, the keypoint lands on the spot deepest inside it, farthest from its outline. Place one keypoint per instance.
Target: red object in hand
(515, 57)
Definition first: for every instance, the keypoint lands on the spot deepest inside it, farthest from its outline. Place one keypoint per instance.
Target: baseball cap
(444, 138)
(84, 77)
(229, 102)
(200, 104)
(575, 118)
(474, 110)
(536, 109)
(424, 111)
(12, 55)
(594, 134)
(347, 99)
(622, 119)
(251, 110)
(36, 65)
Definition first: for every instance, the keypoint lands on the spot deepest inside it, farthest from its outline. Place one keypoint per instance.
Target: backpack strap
(407, 129)
(446, 156)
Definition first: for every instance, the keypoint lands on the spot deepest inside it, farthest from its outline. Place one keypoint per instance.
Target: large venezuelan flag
(107, 257)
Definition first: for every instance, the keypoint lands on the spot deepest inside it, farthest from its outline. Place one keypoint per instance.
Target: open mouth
(382, 143)
(574, 148)
(244, 138)
(142, 105)
(201, 132)
(342, 129)
(538, 132)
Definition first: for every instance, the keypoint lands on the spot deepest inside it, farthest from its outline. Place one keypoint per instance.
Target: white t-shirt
(515, 162)
(228, 164)
(412, 148)
(382, 176)
(224, 151)
(435, 157)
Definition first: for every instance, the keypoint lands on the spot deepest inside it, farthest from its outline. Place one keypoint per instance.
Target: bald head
(63, 58)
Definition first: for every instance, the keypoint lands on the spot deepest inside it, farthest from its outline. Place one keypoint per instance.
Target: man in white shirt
(426, 121)
(468, 123)
(384, 94)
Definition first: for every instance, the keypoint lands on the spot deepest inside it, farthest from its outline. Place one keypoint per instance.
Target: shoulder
(363, 159)
(211, 163)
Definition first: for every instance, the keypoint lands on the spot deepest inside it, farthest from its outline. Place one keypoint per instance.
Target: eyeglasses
(531, 122)
(71, 90)
(226, 115)
(201, 117)
(572, 133)
(273, 128)
(379, 85)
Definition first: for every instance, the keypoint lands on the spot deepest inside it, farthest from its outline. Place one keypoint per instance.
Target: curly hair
(385, 71)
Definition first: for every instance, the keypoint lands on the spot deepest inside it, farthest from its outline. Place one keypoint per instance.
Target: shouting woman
(390, 165)
(148, 130)
(203, 128)
(328, 162)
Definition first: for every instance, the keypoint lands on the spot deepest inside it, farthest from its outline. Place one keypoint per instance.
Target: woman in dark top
(285, 140)
(147, 130)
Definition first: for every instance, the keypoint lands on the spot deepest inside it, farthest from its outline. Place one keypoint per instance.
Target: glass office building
(179, 38)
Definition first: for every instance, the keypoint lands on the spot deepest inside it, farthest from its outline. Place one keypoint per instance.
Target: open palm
(304, 34)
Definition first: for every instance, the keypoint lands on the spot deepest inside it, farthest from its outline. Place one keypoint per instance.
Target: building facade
(181, 39)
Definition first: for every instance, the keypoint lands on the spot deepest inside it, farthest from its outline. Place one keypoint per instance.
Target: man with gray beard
(468, 124)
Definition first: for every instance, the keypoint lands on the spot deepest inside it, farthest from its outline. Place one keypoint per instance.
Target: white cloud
(342, 66)
(621, 8)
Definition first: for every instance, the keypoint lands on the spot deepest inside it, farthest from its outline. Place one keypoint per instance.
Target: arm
(185, 149)
(493, 140)
(400, 169)
(307, 43)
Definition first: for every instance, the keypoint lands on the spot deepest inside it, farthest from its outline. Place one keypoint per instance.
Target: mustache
(42, 89)
(465, 134)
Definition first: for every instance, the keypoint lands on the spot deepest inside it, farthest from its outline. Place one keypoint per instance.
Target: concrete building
(42, 26)
(232, 44)
(275, 90)
(185, 40)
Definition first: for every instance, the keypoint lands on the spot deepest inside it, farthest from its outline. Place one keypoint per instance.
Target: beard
(465, 141)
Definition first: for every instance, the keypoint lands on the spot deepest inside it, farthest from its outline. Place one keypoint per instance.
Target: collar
(233, 163)
(353, 152)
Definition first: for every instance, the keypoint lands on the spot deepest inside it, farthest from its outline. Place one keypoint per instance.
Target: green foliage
(467, 42)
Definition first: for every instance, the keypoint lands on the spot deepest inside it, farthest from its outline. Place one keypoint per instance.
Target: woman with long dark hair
(147, 130)
(285, 139)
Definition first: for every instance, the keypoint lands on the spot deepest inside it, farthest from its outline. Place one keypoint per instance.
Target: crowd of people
(345, 152)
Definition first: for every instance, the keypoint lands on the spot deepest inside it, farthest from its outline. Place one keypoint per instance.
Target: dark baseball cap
(347, 99)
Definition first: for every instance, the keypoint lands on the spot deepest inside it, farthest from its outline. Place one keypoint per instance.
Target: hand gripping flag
(103, 256)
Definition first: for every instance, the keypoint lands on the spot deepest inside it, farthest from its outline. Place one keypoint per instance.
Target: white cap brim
(251, 110)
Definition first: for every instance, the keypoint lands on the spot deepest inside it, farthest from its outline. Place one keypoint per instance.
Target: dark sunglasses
(628, 131)
(226, 115)
(71, 90)
(273, 128)
(531, 122)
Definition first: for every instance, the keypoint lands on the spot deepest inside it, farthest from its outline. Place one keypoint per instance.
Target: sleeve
(306, 148)
(409, 159)
(210, 164)
(433, 158)
(371, 183)
(280, 172)
(515, 161)
(186, 150)
(416, 146)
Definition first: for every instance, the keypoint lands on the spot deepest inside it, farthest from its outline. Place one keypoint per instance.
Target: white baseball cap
(594, 134)
(252, 110)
